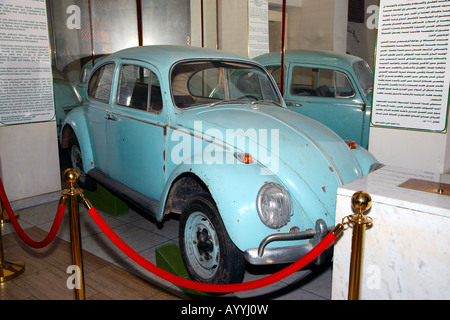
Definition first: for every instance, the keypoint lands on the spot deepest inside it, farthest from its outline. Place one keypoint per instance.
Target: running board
(142, 202)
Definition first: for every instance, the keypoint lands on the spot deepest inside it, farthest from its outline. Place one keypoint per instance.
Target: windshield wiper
(226, 101)
(231, 101)
(266, 102)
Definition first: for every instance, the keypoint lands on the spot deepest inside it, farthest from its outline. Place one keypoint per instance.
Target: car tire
(76, 162)
(208, 252)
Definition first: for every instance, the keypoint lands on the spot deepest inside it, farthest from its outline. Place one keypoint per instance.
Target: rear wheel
(76, 162)
(209, 254)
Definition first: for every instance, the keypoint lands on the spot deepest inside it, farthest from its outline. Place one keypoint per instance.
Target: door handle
(110, 117)
(291, 104)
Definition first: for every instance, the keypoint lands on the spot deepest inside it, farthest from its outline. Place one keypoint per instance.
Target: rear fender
(75, 124)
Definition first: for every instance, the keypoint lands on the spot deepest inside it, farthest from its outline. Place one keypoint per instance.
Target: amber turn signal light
(244, 157)
(351, 144)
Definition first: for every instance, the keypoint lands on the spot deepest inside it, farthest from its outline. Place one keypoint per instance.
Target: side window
(85, 74)
(99, 87)
(343, 86)
(139, 89)
(303, 81)
(318, 82)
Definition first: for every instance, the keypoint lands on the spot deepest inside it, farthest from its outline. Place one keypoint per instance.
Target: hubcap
(202, 245)
(77, 162)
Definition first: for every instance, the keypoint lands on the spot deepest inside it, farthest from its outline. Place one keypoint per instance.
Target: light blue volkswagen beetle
(206, 135)
(334, 89)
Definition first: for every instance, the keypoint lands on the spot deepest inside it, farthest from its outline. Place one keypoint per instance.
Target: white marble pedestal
(406, 251)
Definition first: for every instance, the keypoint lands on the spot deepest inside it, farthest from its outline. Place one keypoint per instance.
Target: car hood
(291, 146)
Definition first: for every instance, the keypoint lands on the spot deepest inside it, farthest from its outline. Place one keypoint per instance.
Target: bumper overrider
(290, 254)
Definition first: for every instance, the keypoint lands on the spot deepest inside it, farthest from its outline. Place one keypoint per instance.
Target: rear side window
(99, 87)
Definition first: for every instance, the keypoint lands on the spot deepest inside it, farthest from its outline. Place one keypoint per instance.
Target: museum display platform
(406, 247)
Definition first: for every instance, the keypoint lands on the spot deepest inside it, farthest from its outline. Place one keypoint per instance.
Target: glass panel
(334, 84)
(99, 87)
(364, 75)
(114, 25)
(69, 32)
(306, 81)
(166, 22)
(156, 103)
(303, 81)
(133, 87)
(275, 71)
(208, 83)
(343, 87)
(204, 82)
(326, 83)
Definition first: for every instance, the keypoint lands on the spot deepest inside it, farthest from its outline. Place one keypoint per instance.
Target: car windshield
(197, 83)
(364, 75)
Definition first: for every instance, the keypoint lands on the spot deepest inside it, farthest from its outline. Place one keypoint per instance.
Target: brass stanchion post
(8, 270)
(361, 202)
(4, 215)
(70, 176)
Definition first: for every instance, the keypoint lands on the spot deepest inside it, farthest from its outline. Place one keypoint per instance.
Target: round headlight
(273, 205)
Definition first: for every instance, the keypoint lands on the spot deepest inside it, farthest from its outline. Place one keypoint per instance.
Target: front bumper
(279, 255)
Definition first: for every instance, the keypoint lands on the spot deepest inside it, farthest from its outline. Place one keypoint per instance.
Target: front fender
(234, 188)
(365, 159)
(75, 123)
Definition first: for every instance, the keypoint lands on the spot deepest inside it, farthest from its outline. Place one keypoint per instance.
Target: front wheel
(208, 253)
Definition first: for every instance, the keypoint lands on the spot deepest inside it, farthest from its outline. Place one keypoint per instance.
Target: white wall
(425, 151)
(233, 26)
(29, 160)
(324, 25)
(209, 24)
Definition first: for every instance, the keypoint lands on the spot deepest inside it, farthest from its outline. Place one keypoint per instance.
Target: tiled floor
(143, 236)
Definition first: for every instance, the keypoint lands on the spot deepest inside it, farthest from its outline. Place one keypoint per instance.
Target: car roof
(308, 56)
(167, 55)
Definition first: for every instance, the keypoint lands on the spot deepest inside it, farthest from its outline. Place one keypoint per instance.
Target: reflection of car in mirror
(65, 96)
(86, 69)
(334, 89)
(206, 135)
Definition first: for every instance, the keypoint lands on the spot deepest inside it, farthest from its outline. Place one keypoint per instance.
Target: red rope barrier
(186, 283)
(34, 244)
(206, 287)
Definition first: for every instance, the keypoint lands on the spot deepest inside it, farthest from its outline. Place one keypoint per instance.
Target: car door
(136, 130)
(328, 96)
(99, 99)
